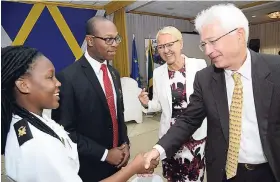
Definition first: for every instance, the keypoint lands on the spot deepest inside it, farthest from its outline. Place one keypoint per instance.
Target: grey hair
(228, 15)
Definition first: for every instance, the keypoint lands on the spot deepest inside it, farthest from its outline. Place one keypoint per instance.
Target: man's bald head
(92, 24)
(99, 31)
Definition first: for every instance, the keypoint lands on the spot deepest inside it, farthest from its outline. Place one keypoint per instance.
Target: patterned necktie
(111, 103)
(235, 117)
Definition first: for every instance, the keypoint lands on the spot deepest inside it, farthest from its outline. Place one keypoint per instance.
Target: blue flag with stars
(135, 66)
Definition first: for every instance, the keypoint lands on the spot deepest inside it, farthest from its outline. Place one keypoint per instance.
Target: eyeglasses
(109, 40)
(168, 45)
(202, 46)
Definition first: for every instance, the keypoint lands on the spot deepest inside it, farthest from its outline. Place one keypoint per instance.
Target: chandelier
(274, 15)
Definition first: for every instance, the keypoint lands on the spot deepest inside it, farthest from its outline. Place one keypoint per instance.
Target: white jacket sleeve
(154, 104)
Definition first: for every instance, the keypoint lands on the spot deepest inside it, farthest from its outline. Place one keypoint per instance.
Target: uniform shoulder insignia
(23, 131)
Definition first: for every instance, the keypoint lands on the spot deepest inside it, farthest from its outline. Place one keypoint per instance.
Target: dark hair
(15, 62)
(279, 53)
(91, 23)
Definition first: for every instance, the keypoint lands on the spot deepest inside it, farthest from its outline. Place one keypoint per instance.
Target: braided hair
(15, 62)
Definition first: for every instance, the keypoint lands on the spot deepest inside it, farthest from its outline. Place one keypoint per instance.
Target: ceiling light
(254, 16)
(275, 14)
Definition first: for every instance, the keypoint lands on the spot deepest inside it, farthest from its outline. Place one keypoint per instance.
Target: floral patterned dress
(187, 165)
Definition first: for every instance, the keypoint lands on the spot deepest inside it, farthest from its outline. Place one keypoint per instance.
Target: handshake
(142, 164)
(145, 163)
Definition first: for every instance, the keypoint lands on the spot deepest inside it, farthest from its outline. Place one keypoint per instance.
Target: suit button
(110, 128)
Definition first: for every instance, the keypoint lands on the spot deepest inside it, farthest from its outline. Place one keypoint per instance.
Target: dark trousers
(258, 173)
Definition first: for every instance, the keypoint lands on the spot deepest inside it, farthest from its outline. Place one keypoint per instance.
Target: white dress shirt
(251, 150)
(99, 73)
(42, 158)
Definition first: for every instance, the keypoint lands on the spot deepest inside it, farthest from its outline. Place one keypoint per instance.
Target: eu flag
(135, 66)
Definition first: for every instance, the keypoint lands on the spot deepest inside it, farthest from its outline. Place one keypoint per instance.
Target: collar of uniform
(51, 123)
(244, 70)
(42, 118)
(94, 64)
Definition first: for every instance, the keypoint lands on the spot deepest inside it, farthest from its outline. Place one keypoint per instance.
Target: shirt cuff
(104, 155)
(161, 151)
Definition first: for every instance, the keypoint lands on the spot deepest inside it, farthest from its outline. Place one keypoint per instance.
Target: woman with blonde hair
(172, 87)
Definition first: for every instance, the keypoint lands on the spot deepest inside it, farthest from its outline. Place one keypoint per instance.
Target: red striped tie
(111, 103)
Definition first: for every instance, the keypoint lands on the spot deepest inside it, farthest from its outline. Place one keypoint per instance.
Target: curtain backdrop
(269, 35)
(121, 60)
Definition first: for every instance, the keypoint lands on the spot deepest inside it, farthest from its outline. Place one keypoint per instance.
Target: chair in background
(132, 105)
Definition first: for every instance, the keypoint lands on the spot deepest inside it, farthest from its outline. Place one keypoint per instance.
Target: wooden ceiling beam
(157, 14)
(116, 5)
(256, 3)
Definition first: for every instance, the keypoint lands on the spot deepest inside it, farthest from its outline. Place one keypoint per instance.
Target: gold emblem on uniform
(21, 131)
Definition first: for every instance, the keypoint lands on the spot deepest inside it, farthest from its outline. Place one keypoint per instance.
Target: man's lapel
(89, 72)
(220, 97)
(262, 90)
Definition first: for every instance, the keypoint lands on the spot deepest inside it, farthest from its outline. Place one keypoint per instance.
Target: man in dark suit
(240, 96)
(91, 104)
